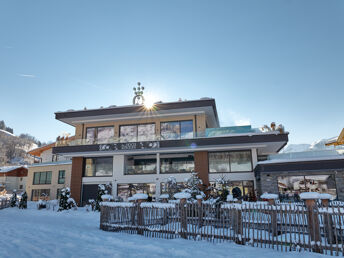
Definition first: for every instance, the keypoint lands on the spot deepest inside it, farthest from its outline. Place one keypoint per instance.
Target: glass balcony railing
(208, 133)
(140, 169)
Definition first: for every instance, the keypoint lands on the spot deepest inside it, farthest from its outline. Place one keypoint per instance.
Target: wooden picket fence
(4, 203)
(286, 227)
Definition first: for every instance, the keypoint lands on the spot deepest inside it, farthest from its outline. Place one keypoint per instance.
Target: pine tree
(100, 193)
(193, 185)
(23, 201)
(13, 199)
(66, 202)
(171, 186)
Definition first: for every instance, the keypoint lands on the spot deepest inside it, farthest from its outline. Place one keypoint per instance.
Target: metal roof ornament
(138, 98)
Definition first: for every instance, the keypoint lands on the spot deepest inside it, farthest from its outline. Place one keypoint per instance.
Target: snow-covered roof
(3, 131)
(10, 168)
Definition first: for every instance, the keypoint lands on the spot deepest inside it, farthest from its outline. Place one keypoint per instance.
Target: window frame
(84, 167)
(59, 178)
(137, 131)
(96, 131)
(188, 154)
(229, 162)
(180, 128)
(40, 173)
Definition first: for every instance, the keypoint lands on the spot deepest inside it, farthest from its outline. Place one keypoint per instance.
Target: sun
(149, 102)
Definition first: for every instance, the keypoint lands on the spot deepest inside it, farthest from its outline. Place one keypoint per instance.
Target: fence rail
(4, 203)
(283, 227)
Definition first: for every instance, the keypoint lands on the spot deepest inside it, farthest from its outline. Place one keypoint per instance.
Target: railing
(281, 227)
(140, 169)
(4, 203)
(208, 133)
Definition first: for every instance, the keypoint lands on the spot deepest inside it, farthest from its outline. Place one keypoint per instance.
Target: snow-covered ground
(47, 233)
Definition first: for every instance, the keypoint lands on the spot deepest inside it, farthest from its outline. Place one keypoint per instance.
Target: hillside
(315, 146)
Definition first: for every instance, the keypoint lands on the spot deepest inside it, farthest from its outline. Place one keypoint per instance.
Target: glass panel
(186, 129)
(240, 161)
(36, 178)
(146, 132)
(89, 167)
(170, 130)
(140, 166)
(48, 177)
(90, 135)
(321, 184)
(103, 166)
(42, 178)
(127, 190)
(61, 179)
(184, 164)
(105, 134)
(219, 162)
(128, 133)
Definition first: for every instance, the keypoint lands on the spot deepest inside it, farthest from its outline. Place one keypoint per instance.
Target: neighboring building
(137, 148)
(289, 174)
(13, 178)
(49, 176)
(337, 141)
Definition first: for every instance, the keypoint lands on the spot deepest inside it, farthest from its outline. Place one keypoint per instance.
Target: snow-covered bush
(41, 204)
(193, 184)
(13, 201)
(171, 186)
(102, 190)
(23, 201)
(66, 202)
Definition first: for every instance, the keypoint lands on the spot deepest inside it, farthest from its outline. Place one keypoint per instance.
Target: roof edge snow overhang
(207, 106)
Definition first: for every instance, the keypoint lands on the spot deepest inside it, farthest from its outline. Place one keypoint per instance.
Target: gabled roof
(6, 169)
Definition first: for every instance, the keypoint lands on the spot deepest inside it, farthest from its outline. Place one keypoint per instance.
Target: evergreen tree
(102, 190)
(66, 202)
(23, 201)
(171, 186)
(193, 185)
(13, 199)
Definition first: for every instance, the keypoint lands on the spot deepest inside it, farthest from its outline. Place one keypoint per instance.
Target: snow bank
(199, 197)
(182, 195)
(107, 197)
(309, 195)
(157, 205)
(230, 198)
(140, 196)
(117, 204)
(164, 196)
(269, 196)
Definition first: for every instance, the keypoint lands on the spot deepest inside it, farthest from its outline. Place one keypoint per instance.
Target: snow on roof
(10, 168)
(11, 134)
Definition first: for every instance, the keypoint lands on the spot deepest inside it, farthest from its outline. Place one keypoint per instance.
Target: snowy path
(45, 233)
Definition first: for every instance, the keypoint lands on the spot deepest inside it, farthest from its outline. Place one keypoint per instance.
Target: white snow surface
(117, 204)
(269, 196)
(182, 195)
(164, 196)
(325, 196)
(140, 196)
(76, 233)
(309, 195)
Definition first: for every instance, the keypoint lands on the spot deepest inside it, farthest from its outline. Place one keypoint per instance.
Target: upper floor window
(137, 133)
(176, 129)
(99, 134)
(234, 161)
(98, 166)
(62, 175)
(42, 178)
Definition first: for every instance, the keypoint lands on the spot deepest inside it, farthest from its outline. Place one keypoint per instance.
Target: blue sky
(262, 61)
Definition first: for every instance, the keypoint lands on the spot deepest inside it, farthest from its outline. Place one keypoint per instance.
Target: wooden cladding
(76, 178)
(201, 166)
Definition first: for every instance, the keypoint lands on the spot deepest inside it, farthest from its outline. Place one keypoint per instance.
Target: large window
(239, 189)
(290, 187)
(98, 166)
(235, 161)
(99, 134)
(40, 193)
(177, 163)
(62, 175)
(127, 190)
(176, 130)
(137, 133)
(140, 165)
(42, 178)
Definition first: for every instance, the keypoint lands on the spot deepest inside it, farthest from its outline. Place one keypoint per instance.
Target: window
(239, 189)
(176, 130)
(42, 178)
(140, 165)
(290, 187)
(235, 161)
(134, 133)
(61, 179)
(40, 193)
(177, 163)
(99, 134)
(127, 190)
(20, 186)
(58, 193)
(98, 166)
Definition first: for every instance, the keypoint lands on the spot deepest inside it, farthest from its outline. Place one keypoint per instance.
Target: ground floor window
(140, 165)
(290, 187)
(127, 190)
(239, 189)
(98, 166)
(168, 188)
(40, 193)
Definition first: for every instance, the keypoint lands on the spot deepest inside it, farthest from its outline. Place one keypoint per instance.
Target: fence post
(238, 226)
(140, 219)
(183, 222)
(313, 224)
(200, 213)
(273, 213)
(328, 222)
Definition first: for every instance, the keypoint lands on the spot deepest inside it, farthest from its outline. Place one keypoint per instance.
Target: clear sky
(262, 61)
